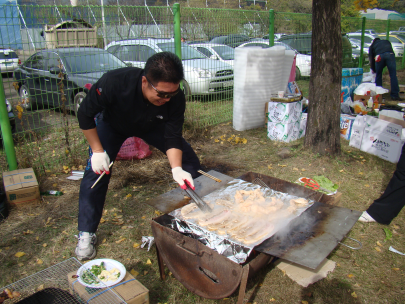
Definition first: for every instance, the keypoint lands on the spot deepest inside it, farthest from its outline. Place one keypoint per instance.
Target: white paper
(396, 251)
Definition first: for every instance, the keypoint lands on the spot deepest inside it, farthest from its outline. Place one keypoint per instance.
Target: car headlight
(202, 73)
(9, 107)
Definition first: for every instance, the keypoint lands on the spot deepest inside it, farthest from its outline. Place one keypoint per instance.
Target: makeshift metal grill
(51, 286)
(310, 238)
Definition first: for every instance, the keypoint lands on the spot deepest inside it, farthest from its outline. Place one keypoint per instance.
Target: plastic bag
(369, 77)
(359, 107)
(133, 148)
(364, 87)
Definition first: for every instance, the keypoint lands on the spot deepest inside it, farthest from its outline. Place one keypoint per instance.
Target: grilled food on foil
(248, 217)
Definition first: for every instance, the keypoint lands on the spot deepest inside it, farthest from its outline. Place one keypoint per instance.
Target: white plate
(109, 264)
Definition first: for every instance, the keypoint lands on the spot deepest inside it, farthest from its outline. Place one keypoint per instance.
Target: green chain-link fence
(48, 86)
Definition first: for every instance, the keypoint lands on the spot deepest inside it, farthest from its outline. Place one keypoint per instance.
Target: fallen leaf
(340, 170)
(145, 272)
(270, 167)
(367, 185)
(361, 173)
(136, 245)
(102, 220)
(104, 240)
(44, 244)
(20, 264)
(303, 170)
(395, 226)
(354, 294)
(304, 302)
(272, 300)
(40, 287)
(379, 244)
(350, 275)
(378, 249)
(115, 195)
(282, 165)
(120, 240)
(39, 261)
(37, 238)
(148, 262)
(128, 195)
(143, 217)
(54, 185)
(396, 269)
(157, 212)
(295, 169)
(19, 254)
(134, 272)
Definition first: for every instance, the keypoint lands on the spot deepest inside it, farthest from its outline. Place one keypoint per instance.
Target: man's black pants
(91, 201)
(388, 206)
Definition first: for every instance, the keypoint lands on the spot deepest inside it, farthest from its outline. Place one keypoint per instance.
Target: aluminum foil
(224, 245)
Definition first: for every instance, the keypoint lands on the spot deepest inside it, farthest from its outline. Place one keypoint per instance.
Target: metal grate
(259, 182)
(51, 286)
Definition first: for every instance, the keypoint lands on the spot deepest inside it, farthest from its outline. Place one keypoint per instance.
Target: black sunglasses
(163, 94)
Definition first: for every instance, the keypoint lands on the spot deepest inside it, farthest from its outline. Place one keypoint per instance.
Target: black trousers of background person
(388, 206)
(91, 201)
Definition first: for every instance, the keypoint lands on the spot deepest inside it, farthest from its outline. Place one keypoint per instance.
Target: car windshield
(187, 52)
(225, 52)
(89, 62)
(5, 54)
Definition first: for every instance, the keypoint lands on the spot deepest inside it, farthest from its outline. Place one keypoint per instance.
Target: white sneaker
(85, 249)
(366, 218)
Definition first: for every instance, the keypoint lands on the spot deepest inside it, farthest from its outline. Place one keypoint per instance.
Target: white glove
(100, 162)
(181, 176)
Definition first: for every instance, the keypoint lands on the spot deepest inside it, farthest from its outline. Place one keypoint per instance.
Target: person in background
(183, 39)
(146, 103)
(384, 209)
(382, 55)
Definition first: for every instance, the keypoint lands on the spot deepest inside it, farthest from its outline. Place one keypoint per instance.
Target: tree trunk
(323, 124)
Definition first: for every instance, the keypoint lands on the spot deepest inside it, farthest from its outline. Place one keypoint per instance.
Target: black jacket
(118, 94)
(377, 48)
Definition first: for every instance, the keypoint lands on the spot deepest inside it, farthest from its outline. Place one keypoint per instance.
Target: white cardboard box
(285, 113)
(282, 132)
(357, 132)
(383, 126)
(382, 145)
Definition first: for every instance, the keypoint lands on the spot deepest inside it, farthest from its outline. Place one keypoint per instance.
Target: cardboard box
(129, 289)
(383, 126)
(365, 98)
(21, 187)
(285, 113)
(285, 132)
(382, 145)
(402, 90)
(393, 120)
(357, 132)
(346, 122)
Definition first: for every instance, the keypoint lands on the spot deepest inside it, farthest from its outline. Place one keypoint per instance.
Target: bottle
(52, 192)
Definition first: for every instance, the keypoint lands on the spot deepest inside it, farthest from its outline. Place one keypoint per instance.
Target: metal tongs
(198, 201)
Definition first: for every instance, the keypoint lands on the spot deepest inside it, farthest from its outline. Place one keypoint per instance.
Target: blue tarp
(10, 36)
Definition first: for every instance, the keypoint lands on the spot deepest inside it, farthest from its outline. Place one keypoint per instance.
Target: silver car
(8, 60)
(216, 51)
(203, 76)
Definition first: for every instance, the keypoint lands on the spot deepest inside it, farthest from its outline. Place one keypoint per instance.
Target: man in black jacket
(148, 104)
(382, 55)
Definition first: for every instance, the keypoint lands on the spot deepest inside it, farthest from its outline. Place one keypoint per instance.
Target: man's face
(152, 92)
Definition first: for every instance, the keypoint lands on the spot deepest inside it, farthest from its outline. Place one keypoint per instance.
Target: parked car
(9, 60)
(276, 36)
(397, 44)
(356, 46)
(232, 40)
(368, 31)
(302, 43)
(39, 75)
(302, 62)
(215, 51)
(203, 76)
(368, 38)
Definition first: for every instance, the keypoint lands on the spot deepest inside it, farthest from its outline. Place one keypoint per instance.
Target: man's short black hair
(165, 67)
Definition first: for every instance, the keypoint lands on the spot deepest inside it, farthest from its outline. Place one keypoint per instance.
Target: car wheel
(78, 100)
(186, 90)
(24, 97)
(297, 73)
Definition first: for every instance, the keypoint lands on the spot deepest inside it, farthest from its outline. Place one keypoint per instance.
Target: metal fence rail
(44, 102)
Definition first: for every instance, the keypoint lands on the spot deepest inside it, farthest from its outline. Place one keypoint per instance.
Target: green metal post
(177, 29)
(387, 36)
(363, 29)
(6, 130)
(271, 27)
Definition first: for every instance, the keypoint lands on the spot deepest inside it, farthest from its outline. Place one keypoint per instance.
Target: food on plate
(98, 273)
